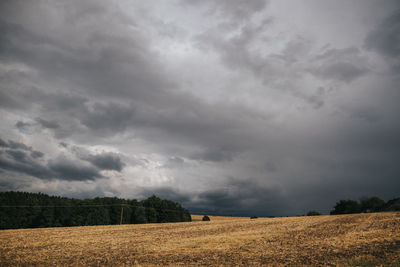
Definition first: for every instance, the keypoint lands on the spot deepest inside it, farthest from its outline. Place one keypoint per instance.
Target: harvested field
(366, 239)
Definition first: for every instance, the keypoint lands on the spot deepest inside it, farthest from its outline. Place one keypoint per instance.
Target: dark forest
(28, 210)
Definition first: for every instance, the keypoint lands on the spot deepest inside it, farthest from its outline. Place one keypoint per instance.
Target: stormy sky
(229, 107)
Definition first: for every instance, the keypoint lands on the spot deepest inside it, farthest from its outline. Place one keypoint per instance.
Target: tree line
(365, 205)
(372, 204)
(27, 210)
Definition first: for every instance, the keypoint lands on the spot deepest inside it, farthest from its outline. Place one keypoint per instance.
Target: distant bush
(205, 218)
(392, 205)
(372, 204)
(253, 217)
(346, 207)
(313, 213)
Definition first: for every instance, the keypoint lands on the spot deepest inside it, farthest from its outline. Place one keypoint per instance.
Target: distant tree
(151, 215)
(346, 207)
(372, 204)
(313, 213)
(253, 217)
(392, 205)
(205, 218)
(140, 215)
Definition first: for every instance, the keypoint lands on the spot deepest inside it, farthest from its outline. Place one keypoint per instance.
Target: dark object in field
(253, 217)
(313, 213)
(205, 218)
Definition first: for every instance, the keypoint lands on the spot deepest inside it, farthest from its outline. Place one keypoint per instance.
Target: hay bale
(205, 218)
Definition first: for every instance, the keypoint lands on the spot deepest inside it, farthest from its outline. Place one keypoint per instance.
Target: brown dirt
(343, 240)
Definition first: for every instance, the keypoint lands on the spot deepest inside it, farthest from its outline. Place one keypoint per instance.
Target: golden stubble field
(366, 239)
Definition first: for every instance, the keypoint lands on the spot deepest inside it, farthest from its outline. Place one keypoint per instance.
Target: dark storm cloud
(66, 102)
(104, 70)
(110, 117)
(106, 161)
(345, 64)
(63, 144)
(47, 124)
(37, 154)
(385, 37)
(14, 145)
(73, 170)
(18, 145)
(103, 160)
(166, 193)
(17, 155)
(19, 158)
(306, 125)
(22, 125)
(8, 185)
(3, 143)
(113, 63)
(366, 113)
(21, 162)
(244, 198)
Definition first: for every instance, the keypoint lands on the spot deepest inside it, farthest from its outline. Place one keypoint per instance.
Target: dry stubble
(321, 240)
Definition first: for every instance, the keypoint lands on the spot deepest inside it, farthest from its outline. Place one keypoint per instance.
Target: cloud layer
(226, 106)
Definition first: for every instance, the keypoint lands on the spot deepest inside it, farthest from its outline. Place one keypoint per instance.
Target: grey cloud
(385, 37)
(118, 66)
(344, 65)
(103, 160)
(17, 155)
(111, 117)
(106, 161)
(73, 170)
(3, 143)
(108, 118)
(99, 73)
(47, 124)
(20, 162)
(17, 145)
(366, 113)
(166, 193)
(67, 102)
(37, 154)
(243, 197)
(8, 185)
(234, 10)
(214, 154)
(63, 144)
(174, 162)
(234, 49)
(14, 145)
(7, 101)
(19, 158)
(21, 125)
